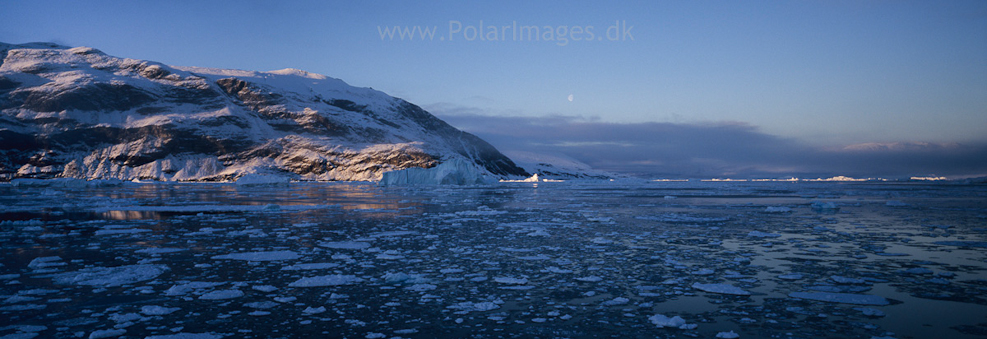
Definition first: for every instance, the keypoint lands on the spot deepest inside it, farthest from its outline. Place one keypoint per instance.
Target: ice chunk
(107, 333)
(396, 278)
(421, 287)
(663, 321)
(314, 310)
(510, 280)
(824, 206)
(110, 276)
(454, 171)
(720, 289)
(309, 266)
(469, 306)
(222, 294)
(187, 336)
(554, 269)
(158, 310)
(759, 234)
(843, 298)
(777, 209)
(260, 256)
(159, 250)
(261, 179)
(616, 301)
(115, 231)
(847, 280)
(791, 276)
(326, 280)
(727, 335)
(263, 305)
(189, 287)
(45, 262)
(870, 312)
(345, 245)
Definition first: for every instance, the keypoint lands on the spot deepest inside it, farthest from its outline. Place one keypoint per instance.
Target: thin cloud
(727, 149)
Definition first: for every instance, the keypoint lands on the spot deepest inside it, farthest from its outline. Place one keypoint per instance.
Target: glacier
(452, 172)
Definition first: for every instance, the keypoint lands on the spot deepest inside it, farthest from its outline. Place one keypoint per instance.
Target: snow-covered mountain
(79, 113)
(557, 166)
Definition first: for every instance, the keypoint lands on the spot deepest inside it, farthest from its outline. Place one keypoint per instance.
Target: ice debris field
(630, 259)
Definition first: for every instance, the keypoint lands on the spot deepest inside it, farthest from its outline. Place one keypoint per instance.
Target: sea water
(517, 260)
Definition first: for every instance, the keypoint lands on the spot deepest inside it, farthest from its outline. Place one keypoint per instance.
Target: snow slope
(79, 113)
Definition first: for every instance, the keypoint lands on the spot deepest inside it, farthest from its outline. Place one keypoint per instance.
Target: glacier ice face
(455, 171)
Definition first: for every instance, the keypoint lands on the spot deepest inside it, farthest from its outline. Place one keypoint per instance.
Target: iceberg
(254, 179)
(455, 171)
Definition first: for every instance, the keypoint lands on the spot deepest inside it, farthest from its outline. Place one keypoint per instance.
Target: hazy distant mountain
(77, 112)
(557, 166)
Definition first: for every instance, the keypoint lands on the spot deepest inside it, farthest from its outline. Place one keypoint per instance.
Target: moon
(570, 97)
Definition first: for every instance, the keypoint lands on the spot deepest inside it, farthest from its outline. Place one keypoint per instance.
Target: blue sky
(819, 74)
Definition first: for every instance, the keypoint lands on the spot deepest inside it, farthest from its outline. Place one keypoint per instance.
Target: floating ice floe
(843, 298)
(469, 306)
(791, 276)
(663, 321)
(759, 234)
(870, 312)
(392, 234)
(720, 289)
(345, 245)
(616, 301)
(184, 335)
(97, 334)
(326, 280)
(727, 335)
(159, 250)
(114, 230)
(847, 280)
(45, 262)
(261, 179)
(824, 206)
(510, 280)
(260, 256)
(777, 209)
(158, 310)
(314, 310)
(222, 294)
(397, 278)
(310, 266)
(186, 288)
(110, 276)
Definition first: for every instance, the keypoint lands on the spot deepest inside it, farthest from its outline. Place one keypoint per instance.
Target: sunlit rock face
(79, 113)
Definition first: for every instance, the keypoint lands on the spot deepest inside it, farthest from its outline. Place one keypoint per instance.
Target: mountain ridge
(79, 113)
